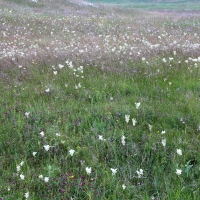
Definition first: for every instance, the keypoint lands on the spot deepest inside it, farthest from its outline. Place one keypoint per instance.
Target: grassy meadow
(98, 102)
(153, 4)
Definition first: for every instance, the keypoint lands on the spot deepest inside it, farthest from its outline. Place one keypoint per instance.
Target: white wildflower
(26, 195)
(60, 66)
(88, 170)
(127, 118)
(27, 114)
(178, 171)
(143, 58)
(58, 134)
(46, 179)
(123, 186)
(101, 137)
(123, 140)
(179, 152)
(42, 133)
(114, 171)
(137, 105)
(134, 121)
(18, 168)
(47, 90)
(71, 152)
(163, 142)
(55, 72)
(34, 153)
(46, 147)
(40, 176)
(22, 176)
(163, 132)
(139, 173)
(150, 127)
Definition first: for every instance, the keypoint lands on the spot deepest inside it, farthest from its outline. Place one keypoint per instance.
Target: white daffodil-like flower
(163, 132)
(42, 133)
(134, 121)
(81, 69)
(137, 105)
(21, 163)
(179, 152)
(150, 127)
(101, 137)
(34, 153)
(88, 170)
(27, 114)
(26, 195)
(22, 176)
(60, 66)
(70, 65)
(18, 168)
(139, 173)
(123, 140)
(178, 171)
(71, 152)
(46, 179)
(55, 72)
(127, 118)
(40, 176)
(123, 186)
(46, 147)
(47, 90)
(58, 134)
(114, 171)
(78, 86)
(163, 142)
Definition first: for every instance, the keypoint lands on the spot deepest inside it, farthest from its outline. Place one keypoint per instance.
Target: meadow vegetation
(153, 4)
(98, 102)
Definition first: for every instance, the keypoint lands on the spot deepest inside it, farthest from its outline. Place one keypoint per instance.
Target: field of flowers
(98, 102)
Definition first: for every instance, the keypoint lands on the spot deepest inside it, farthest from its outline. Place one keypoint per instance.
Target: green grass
(99, 108)
(150, 5)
